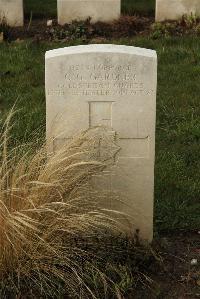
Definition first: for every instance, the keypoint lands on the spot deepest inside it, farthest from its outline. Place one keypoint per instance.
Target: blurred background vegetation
(47, 8)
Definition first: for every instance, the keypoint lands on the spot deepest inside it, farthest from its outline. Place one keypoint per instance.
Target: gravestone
(97, 10)
(11, 12)
(175, 9)
(113, 86)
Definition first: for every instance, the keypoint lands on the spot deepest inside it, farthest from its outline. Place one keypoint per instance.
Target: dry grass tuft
(45, 203)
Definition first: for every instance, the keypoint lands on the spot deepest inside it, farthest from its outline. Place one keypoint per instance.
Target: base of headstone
(175, 9)
(97, 10)
(11, 12)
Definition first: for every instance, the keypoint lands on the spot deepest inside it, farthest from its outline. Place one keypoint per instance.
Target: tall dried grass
(45, 204)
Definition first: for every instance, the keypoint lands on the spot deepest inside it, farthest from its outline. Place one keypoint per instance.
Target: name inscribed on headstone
(100, 80)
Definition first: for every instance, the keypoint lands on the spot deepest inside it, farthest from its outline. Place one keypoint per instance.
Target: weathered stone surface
(175, 9)
(113, 86)
(11, 11)
(97, 10)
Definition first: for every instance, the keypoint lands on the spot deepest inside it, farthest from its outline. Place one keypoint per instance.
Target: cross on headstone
(100, 114)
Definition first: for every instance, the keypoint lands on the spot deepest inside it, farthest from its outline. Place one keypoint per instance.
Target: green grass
(144, 7)
(40, 8)
(48, 8)
(177, 187)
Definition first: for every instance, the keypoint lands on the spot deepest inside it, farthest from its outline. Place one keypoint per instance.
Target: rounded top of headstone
(101, 48)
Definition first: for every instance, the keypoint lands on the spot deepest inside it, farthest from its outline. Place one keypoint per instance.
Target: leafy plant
(189, 20)
(161, 29)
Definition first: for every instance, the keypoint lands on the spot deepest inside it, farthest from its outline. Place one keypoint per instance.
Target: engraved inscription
(100, 80)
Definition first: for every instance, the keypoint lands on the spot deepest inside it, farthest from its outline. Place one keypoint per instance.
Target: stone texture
(113, 86)
(12, 12)
(175, 9)
(98, 10)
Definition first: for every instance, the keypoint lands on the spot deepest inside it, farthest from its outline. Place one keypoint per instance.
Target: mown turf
(48, 8)
(177, 172)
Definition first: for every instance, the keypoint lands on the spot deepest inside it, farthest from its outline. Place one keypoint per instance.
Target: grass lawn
(47, 8)
(177, 187)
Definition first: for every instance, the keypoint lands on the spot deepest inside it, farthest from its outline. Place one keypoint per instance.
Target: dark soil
(126, 26)
(177, 277)
(169, 269)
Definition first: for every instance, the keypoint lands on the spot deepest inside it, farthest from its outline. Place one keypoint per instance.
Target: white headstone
(113, 86)
(11, 12)
(97, 10)
(175, 9)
